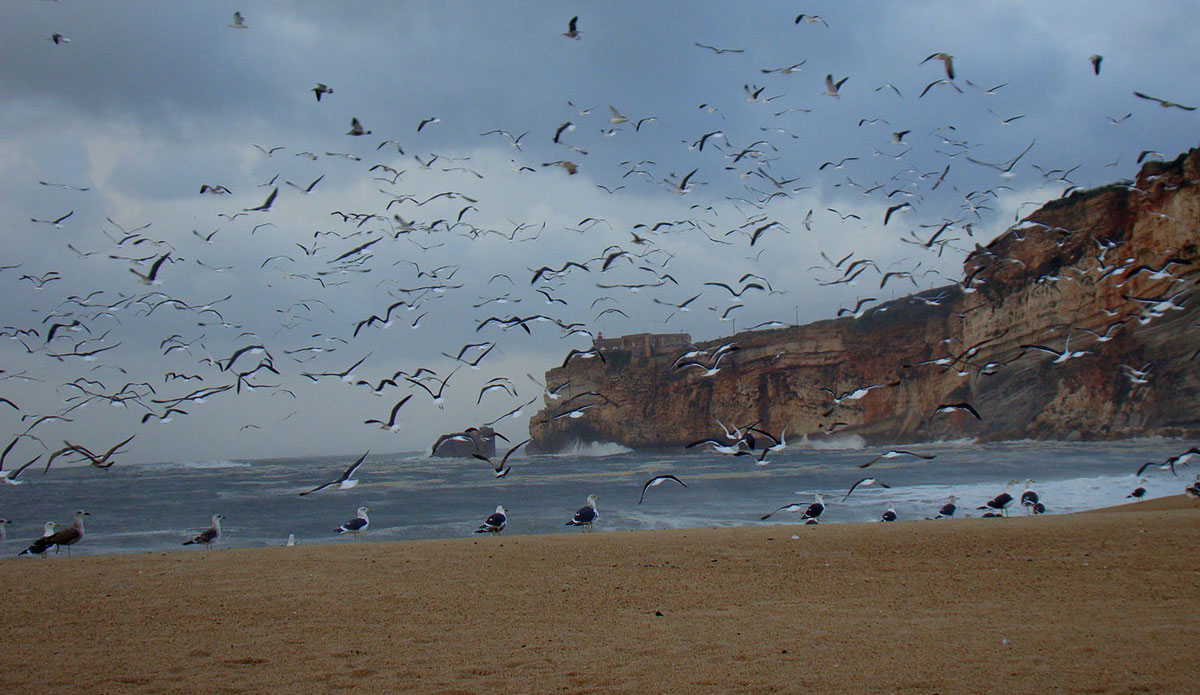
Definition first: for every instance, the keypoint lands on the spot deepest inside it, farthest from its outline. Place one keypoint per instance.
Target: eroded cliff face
(1083, 266)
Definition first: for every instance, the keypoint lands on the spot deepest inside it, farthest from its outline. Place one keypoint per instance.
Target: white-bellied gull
(655, 481)
(344, 482)
(356, 525)
(209, 535)
(3, 532)
(948, 508)
(1000, 502)
(586, 516)
(895, 453)
(811, 512)
(1029, 498)
(495, 522)
(890, 514)
(41, 545)
(864, 482)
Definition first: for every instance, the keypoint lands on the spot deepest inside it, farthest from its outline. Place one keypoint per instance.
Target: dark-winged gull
(948, 508)
(655, 481)
(41, 545)
(890, 514)
(586, 516)
(209, 535)
(1030, 499)
(1138, 492)
(1000, 502)
(811, 512)
(356, 525)
(70, 535)
(495, 522)
(344, 482)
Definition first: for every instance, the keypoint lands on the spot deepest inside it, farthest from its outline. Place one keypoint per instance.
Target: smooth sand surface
(1082, 603)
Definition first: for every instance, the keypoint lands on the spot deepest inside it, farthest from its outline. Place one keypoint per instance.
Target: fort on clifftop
(1093, 265)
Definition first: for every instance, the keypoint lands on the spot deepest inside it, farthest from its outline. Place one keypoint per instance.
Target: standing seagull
(1138, 492)
(655, 481)
(70, 535)
(3, 533)
(209, 535)
(41, 545)
(947, 509)
(586, 516)
(1029, 498)
(356, 525)
(1000, 502)
(890, 514)
(495, 522)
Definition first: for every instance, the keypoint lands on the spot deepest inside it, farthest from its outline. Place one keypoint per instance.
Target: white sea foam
(199, 464)
(849, 441)
(595, 449)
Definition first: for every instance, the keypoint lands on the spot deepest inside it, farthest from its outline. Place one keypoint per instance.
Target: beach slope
(1083, 603)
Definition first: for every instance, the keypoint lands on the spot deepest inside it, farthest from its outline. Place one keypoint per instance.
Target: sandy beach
(1104, 602)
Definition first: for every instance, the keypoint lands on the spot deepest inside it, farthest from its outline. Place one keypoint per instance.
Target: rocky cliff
(1107, 272)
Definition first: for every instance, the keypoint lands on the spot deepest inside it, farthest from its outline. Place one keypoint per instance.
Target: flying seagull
(1163, 102)
(951, 407)
(655, 481)
(811, 512)
(495, 522)
(894, 453)
(586, 516)
(356, 525)
(572, 31)
(1095, 59)
(947, 62)
(209, 535)
(321, 89)
(344, 482)
(864, 482)
(239, 22)
(501, 469)
(356, 128)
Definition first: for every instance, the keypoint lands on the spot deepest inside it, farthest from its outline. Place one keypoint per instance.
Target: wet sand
(1105, 602)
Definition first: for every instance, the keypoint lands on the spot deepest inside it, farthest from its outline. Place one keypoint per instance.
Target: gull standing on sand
(495, 522)
(890, 514)
(70, 535)
(1000, 502)
(356, 525)
(41, 545)
(586, 516)
(1030, 499)
(209, 535)
(1138, 492)
(3, 533)
(948, 508)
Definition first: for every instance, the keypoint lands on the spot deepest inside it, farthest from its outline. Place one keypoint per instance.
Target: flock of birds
(56, 536)
(78, 332)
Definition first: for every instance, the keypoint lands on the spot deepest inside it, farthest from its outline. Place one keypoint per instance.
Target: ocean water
(155, 507)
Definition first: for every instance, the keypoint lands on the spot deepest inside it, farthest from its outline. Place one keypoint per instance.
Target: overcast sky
(139, 105)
